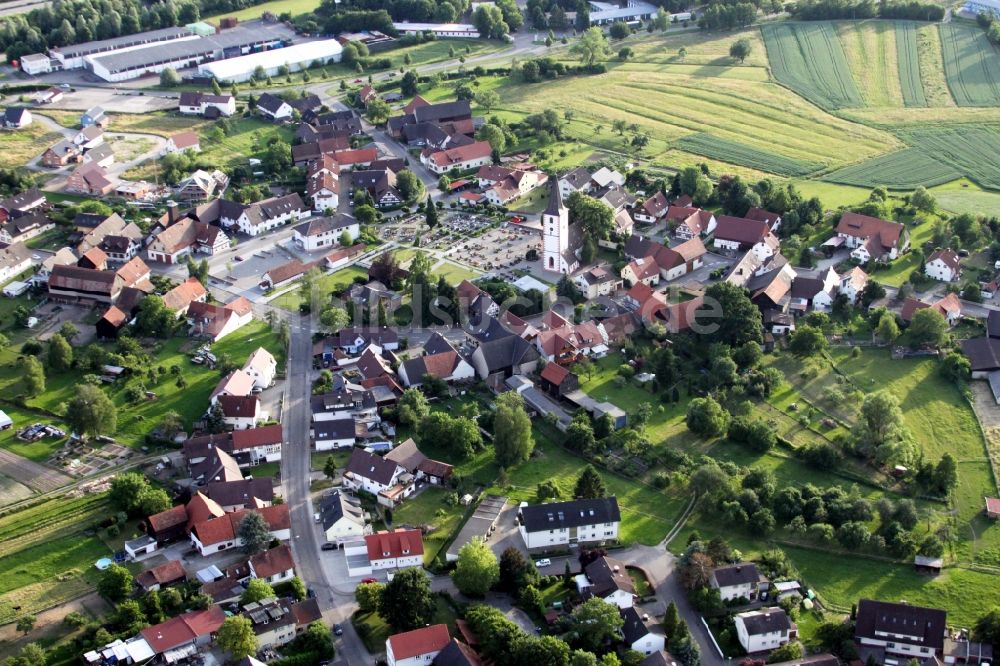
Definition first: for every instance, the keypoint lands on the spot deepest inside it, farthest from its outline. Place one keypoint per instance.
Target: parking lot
(81, 99)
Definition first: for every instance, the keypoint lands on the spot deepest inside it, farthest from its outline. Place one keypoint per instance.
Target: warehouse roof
(295, 54)
(103, 45)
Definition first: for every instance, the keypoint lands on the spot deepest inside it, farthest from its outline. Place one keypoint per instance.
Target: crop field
(973, 150)
(809, 59)
(901, 170)
(871, 51)
(731, 151)
(932, 67)
(908, 60)
(971, 65)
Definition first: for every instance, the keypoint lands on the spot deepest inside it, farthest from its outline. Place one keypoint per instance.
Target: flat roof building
(296, 57)
(71, 57)
(462, 30)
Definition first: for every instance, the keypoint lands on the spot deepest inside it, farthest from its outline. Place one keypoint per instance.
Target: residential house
(577, 180)
(772, 220)
(688, 222)
(639, 634)
(24, 202)
(241, 412)
(853, 283)
(94, 258)
(169, 573)
(330, 435)
(608, 579)
(557, 381)
(304, 153)
(210, 106)
(241, 493)
(60, 154)
(323, 183)
(457, 653)
(120, 248)
(377, 476)
(871, 238)
(273, 566)
(607, 178)
(185, 238)
(384, 550)
(462, 158)
(16, 117)
(112, 225)
(353, 340)
(261, 367)
(342, 518)
(102, 155)
(653, 209)
(222, 533)
(558, 524)
(24, 228)
(417, 647)
(319, 233)
(380, 184)
(236, 383)
(263, 216)
(73, 283)
(736, 581)
(182, 142)
(500, 354)
(257, 445)
(419, 466)
(814, 293)
(201, 185)
(897, 632)
(943, 265)
(274, 108)
(183, 295)
(949, 306)
(737, 234)
(90, 179)
(94, 116)
(654, 261)
(284, 274)
(89, 137)
(62, 257)
(596, 282)
(449, 366)
(763, 630)
(214, 321)
(504, 185)
(186, 634)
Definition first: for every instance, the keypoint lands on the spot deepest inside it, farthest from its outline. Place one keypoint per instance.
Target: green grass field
(428, 508)
(872, 54)
(809, 59)
(21, 146)
(731, 151)
(964, 196)
(908, 60)
(339, 279)
(293, 7)
(971, 65)
(901, 170)
(973, 150)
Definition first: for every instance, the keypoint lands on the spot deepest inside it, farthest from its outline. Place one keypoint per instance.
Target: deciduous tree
(477, 569)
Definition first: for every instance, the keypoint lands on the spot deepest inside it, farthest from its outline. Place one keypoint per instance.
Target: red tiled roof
(948, 257)
(253, 437)
(184, 294)
(166, 519)
(167, 572)
(419, 641)
(740, 229)
(184, 140)
(239, 406)
(864, 226)
(183, 629)
(271, 562)
(226, 527)
(114, 316)
(472, 151)
(993, 504)
(358, 156)
(397, 544)
(554, 373)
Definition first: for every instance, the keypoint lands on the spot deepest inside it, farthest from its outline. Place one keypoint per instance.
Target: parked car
(328, 546)
(544, 562)
(338, 630)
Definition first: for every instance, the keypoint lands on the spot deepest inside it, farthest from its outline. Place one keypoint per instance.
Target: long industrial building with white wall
(295, 57)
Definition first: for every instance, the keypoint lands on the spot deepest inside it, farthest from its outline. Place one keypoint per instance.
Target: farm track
(37, 477)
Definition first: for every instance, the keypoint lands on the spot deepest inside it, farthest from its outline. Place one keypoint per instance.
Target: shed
(15, 288)
(993, 507)
(5, 421)
(928, 564)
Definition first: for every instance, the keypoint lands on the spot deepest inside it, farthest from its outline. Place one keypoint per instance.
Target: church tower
(555, 231)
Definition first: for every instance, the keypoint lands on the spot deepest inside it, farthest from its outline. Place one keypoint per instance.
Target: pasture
(809, 59)
(731, 151)
(971, 65)
(961, 196)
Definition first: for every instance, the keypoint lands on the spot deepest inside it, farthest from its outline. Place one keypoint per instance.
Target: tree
(477, 569)
(580, 433)
(116, 583)
(671, 620)
(154, 319)
(591, 46)
(26, 623)
(406, 600)
(408, 84)
(33, 375)
(256, 589)
(590, 485)
(740, 320)
(880, 426)
(413, 407)
(377, 111)
(91, 412)
(153, 500)
(790, 651)
(330, 467)
(923, 200)
(807, 340)
(333, 318)
(254, 533)
(887, 330)
(410, 187)
(236, 636)
(459, 434)
(946, 474)
(486, 99)
(489, 21)
(987, 628)
(756, 434)
(126, 488)
(69, 331)
(928, 327)
(495, 135)
(595, 216)
(516, 571)
(706, 418)
(512, 438)
(129, 617)
(169, 78)
(740, 49)
(430, 213)
(368, 596)
(619, 30)
(595, 621)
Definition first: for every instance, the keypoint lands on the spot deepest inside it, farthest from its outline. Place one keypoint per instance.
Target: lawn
(900, 269)
(293, 7)
(453, 273)
(21, 146)
(964, 196)
(329, 283)
(40, 450)
(429, 508)
(376, 631)
(246, 136)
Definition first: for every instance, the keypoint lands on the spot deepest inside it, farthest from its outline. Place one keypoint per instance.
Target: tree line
(822, 10)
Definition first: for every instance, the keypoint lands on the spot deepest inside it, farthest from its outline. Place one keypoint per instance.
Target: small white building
(639, 634)
(5, 421)
(36, 63)
(417, 647)
(763, 630)
(382, 551)
(261, 368)
(273, 566)
(324, 232)
(736, 581)
(608, 579)
(455, 30)
(342, 518)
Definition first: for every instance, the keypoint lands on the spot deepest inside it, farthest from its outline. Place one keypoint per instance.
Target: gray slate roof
(574, 513)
